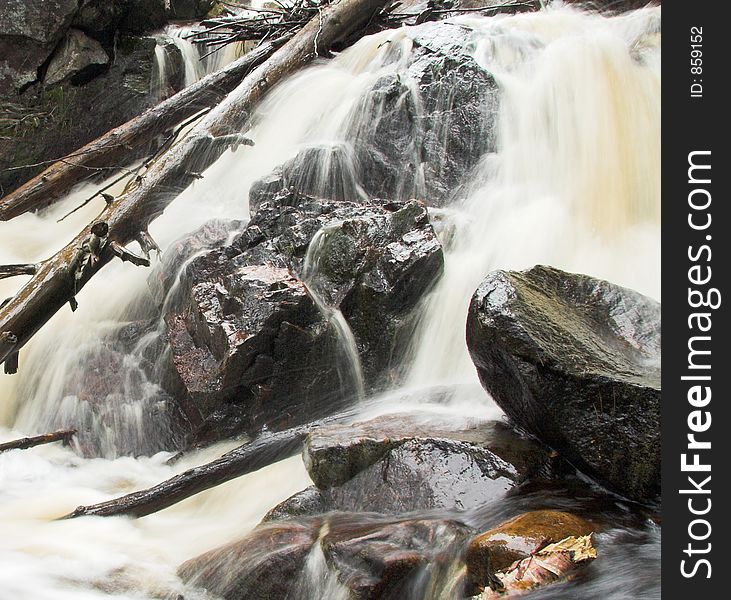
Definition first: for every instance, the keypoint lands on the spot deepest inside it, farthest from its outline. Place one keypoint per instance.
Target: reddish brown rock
(497, 549)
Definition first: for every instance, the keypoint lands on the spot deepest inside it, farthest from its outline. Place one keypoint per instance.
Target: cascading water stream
(352, 371)
(579, 105)
(575, 180)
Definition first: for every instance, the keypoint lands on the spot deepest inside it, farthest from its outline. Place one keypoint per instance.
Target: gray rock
(29, 31)
(416, 134)
(425, 474)
(76, 53)
(334, 454)
(575, 361)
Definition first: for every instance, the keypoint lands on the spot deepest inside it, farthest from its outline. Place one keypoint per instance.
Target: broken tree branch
(15, 270)
(59, 278)
(63, 435)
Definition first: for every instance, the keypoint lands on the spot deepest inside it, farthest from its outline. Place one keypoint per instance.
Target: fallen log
(125, 219)
(128, 142)
(263, 451)
(63, 435)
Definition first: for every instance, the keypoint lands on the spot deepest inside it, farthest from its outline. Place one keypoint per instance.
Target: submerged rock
(575, 361)
(262, 566)
(516, 539)
(387, 561)
(249, 345)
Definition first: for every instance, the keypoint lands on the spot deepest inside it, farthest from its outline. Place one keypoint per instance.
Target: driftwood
(63, 435)
(263, 451)
(126, 218)
(128, 141)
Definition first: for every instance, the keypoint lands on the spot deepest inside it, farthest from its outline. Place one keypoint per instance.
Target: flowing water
(574, 183)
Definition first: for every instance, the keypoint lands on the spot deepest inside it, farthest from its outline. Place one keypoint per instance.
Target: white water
(574, 185)
(352, 372)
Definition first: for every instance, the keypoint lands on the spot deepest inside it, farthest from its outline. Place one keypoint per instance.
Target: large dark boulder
(575, 361)
(249, 345)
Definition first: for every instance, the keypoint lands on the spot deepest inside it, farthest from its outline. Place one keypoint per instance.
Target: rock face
(575, 361)
(71, 70)
(29, 31)
(420, 130)
(245, 321)
(500, 547)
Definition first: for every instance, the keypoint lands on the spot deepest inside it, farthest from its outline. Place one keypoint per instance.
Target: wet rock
(384, 560)
(424, 474)
(334, 454)
(416, 133)
(421, 130)
(325, 170)
(246, 322)
(29, 32)
(498, 548)
(77, 54)
(575, 361)
(308, 502)
(262, 566)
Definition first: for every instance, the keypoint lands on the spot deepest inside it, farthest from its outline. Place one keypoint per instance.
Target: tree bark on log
(126, 218)
(127, 142)
(63, 435)
(251, 457)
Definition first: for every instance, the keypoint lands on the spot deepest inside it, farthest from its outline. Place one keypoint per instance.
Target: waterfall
(352, 372)
(572, 182)
(575, 179)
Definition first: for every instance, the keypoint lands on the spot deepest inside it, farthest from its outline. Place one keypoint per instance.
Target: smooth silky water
(575, 184)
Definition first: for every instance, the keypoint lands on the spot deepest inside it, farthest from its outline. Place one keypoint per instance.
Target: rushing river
(574, 184)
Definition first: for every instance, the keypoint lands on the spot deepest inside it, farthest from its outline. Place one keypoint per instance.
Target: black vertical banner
(696, 297)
